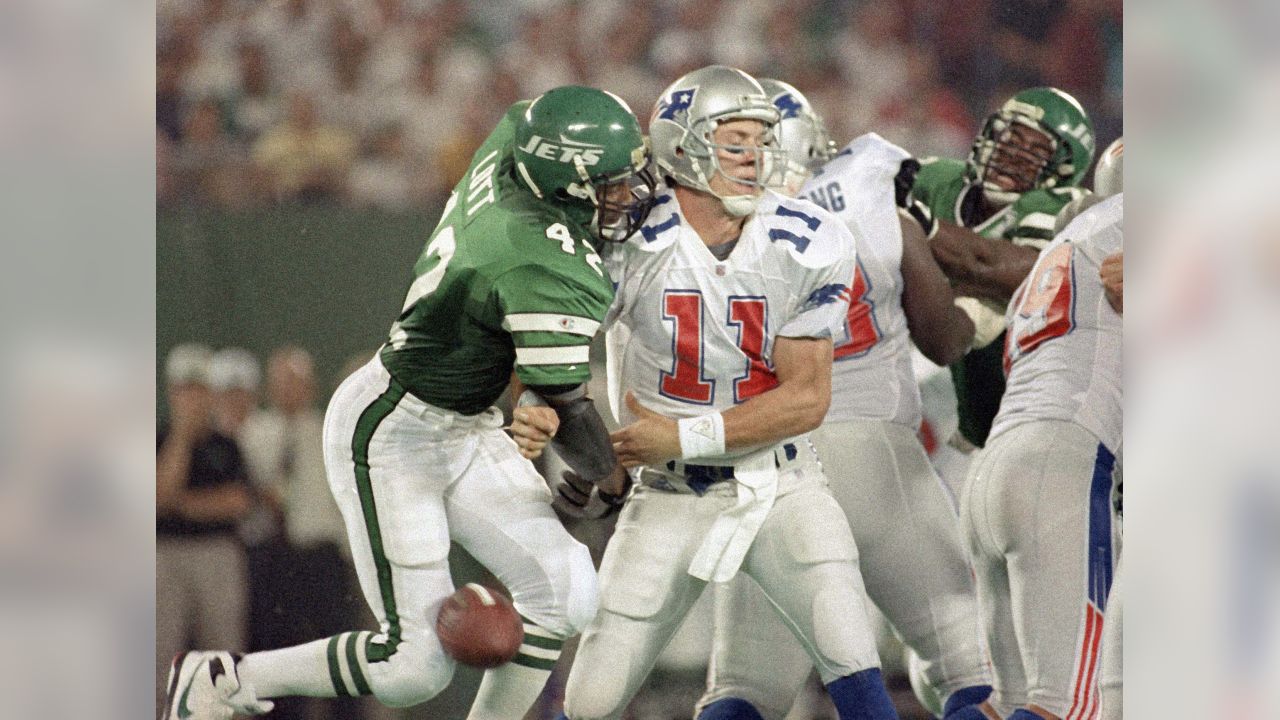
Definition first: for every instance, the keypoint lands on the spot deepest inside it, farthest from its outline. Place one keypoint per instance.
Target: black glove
(579, 498)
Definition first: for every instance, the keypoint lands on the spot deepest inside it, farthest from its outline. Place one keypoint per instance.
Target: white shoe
(205, 686)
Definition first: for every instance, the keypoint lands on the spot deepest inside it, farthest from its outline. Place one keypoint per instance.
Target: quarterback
(414, 450)
(879, 472)
(719, 358)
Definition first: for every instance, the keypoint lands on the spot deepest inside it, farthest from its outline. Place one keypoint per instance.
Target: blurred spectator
(234, 376)
(302, 160)
(383, 176)
(257, 105)
(874, 58)
(201, 492)
(209, 166)
(303, 583)
(295, 34)
(169, 104)
(427, 110)
(434, 67)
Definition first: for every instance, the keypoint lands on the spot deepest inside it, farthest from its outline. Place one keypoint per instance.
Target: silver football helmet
(684, 121)
(1108, 176)
(801, 133)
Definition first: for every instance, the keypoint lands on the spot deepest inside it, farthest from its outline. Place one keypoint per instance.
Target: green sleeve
(938, 184)
(1037, 212)
(551, 314)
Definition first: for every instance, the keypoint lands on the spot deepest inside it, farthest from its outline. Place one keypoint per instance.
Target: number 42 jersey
(691, 334)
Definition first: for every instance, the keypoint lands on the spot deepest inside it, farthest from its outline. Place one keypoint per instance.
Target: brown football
(478, 626)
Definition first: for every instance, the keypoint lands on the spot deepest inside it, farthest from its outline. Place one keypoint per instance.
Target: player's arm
(941, 330)
(1112, 274)
(981, 267)
(796, 405)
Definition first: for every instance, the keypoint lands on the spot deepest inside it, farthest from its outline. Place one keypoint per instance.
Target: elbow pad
(582, 440)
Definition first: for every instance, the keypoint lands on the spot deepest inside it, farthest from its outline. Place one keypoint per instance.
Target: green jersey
(507, 280)
(942, 186)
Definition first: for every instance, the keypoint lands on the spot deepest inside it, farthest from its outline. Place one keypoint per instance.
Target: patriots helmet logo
(679, 102)
(787, 105)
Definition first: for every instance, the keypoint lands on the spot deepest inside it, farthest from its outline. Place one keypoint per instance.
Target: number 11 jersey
(691, 334)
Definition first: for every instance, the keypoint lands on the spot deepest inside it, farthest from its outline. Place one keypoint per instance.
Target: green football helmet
(583, 147)
(1040, 138)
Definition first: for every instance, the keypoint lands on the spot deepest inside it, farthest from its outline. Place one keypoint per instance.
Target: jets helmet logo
(564, 150)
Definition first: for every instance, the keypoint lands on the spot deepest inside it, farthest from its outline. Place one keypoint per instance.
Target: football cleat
(205, 686)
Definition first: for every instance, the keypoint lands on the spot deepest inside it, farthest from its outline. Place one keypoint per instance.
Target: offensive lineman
(414, 451)
(1025, 166)
(1036, 509)
(727, 303)
(881, 476)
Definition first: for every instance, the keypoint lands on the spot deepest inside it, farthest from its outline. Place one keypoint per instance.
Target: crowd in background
(380, 103)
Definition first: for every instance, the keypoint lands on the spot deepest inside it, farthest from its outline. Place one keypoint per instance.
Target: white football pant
(1036, 513)
(409, 478)
(803, 558)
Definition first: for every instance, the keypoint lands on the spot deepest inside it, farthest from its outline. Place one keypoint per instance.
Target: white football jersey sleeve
(872, 378)
(689, 334)
(1063, 349)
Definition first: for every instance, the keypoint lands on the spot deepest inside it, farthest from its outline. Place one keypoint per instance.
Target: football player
(719, 367)
(415, 453)
(1026, 164)
(880, 473)
(1036, 509)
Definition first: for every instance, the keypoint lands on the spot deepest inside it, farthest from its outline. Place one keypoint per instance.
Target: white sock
(311, 669)
(507, 692)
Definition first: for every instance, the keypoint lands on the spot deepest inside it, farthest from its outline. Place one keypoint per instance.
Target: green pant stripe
(366, 425)
(335, 672)
(541, 642)
(533, 662)
(353, 661)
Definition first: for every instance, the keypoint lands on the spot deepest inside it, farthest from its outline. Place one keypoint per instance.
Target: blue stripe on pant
(1100, 551)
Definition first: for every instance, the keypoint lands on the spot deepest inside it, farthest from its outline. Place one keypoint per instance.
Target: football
(478, 626)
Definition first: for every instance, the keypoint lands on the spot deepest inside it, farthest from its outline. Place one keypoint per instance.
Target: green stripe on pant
(366, 426)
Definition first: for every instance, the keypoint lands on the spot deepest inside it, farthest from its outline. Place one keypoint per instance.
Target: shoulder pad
(813, 237)
(865, 154)
(660, 229)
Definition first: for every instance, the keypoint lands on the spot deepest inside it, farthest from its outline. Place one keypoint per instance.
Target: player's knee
(569, 602)
(410, 679)
(730, 709)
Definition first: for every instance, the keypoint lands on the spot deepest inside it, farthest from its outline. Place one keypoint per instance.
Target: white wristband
(701, 436)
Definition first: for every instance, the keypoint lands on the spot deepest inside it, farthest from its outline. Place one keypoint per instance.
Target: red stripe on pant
(1082, 708)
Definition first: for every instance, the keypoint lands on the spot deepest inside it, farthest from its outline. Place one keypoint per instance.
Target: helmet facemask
(1022, 151)
(762, 164)
(622, 200)
(807, 145)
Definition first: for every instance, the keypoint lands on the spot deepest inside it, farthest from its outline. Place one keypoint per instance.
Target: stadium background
(305, 147)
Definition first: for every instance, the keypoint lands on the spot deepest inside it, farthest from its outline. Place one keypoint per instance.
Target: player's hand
(532, 427)
(577, 497)
(651, 439)
(1112, 274)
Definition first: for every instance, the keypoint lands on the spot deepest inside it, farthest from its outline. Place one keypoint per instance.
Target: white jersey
(1063, 350)
(690, 334)
(872, 378)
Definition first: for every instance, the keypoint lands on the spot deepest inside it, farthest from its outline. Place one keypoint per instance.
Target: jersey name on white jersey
(872, 378)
